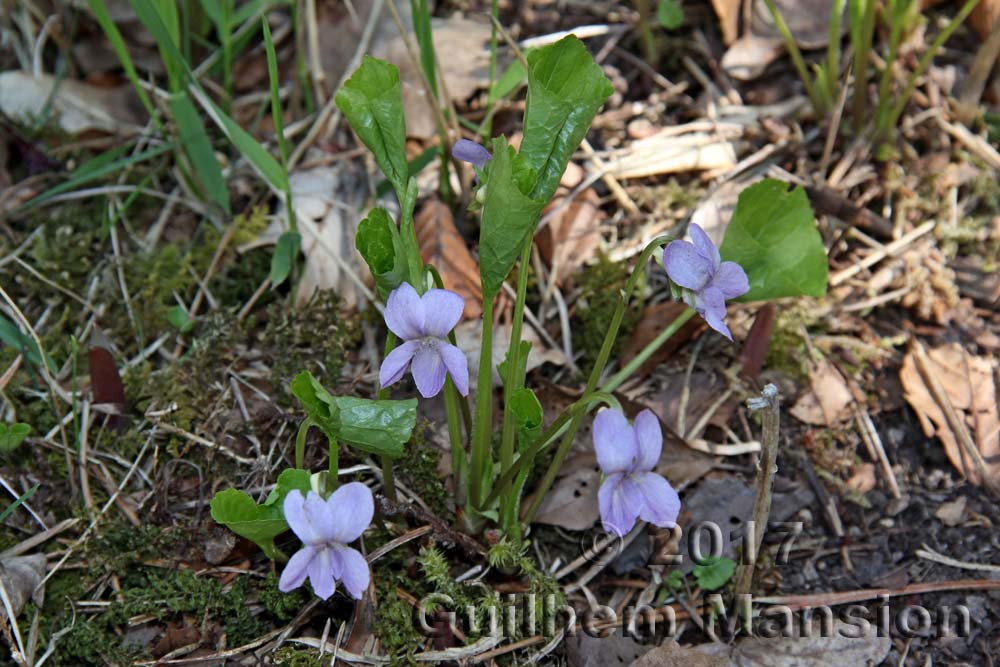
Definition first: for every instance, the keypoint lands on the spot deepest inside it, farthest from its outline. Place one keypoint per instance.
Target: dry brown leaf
(583, 650)
(442, 246)
(571, 236)
(468, 335)
(842, 648)
(728, 12)
(862, 478)
(77, 106)
(984, 16)
(828, 402)
(20, 576)
(808, 21)
(655, 319)
(672, 151)
(671, 654)
(571, 503)
(327, 197)
(968, 385)
(952, 513)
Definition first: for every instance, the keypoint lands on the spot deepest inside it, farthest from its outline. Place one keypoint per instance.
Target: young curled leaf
(509, 215)
(372, 102)
(379, 243)
(565, 90)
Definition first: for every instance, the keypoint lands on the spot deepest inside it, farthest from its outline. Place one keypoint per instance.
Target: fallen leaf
(468, 334)
(828, 402)
(20, 576)
(671, 654)
(328, 197)
(656, 318)
(808, 21)
(842, 648)
(77, 106)
(968, 385)
(571, 503)
(571, 236)
(728, 12)
(726, 502)
(442, 246)
(952, 513)
(582, 650)
(758, 341)
(675, 150)
(984, 17)
(862, 478)
(105, 381)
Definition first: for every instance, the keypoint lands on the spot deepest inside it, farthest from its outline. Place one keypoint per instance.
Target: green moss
(420, 472)
(313, 339)
(600, 285)
(788, 352)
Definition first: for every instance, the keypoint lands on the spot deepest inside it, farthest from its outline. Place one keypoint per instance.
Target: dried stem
(769, 403)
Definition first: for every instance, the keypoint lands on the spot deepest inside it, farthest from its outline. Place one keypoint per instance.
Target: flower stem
(334, 467)
(459, 464)
(388, 480)
(482, 457)
(300, 443)
(513, 379)
(619, 378)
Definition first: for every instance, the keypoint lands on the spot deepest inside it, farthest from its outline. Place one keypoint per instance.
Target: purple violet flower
(627, 456)
(470, 151)
(325, 528)
(423, 323)
(707, 281)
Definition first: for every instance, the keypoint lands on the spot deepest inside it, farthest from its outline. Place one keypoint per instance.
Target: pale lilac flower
(707, 281)
(627, 455)
(471, 152)
(423, 323)
(325, 528)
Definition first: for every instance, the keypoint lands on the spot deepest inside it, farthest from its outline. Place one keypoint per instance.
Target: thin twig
(769, 403)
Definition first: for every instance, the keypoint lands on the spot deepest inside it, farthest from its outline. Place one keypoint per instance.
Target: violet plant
(771, 249)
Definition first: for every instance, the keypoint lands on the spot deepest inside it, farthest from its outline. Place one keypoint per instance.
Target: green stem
(607, 388)
(796, 55)
(922, 66)
(300, 443)
(334, 467)
(898, 10)
(833, 50)
(388, 479)
(459, 463)
(483, 427)
(554, 430)
(862, 31)
(513, 380)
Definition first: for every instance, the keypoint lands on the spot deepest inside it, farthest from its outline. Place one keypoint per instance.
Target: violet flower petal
(711, 304)
(428, 371)
(619, 501)
(442, 311)
(731, 280)
(660, 502)
(614, 442)
(470, 151)
(296, 570)
(321, 574)
(295, 515)
(396, 363)
(686, 266)
(351, 508)
(404, 312)
(352, 569)
(457, 364)
(703, 244)
(320, 518)
(649, 436)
